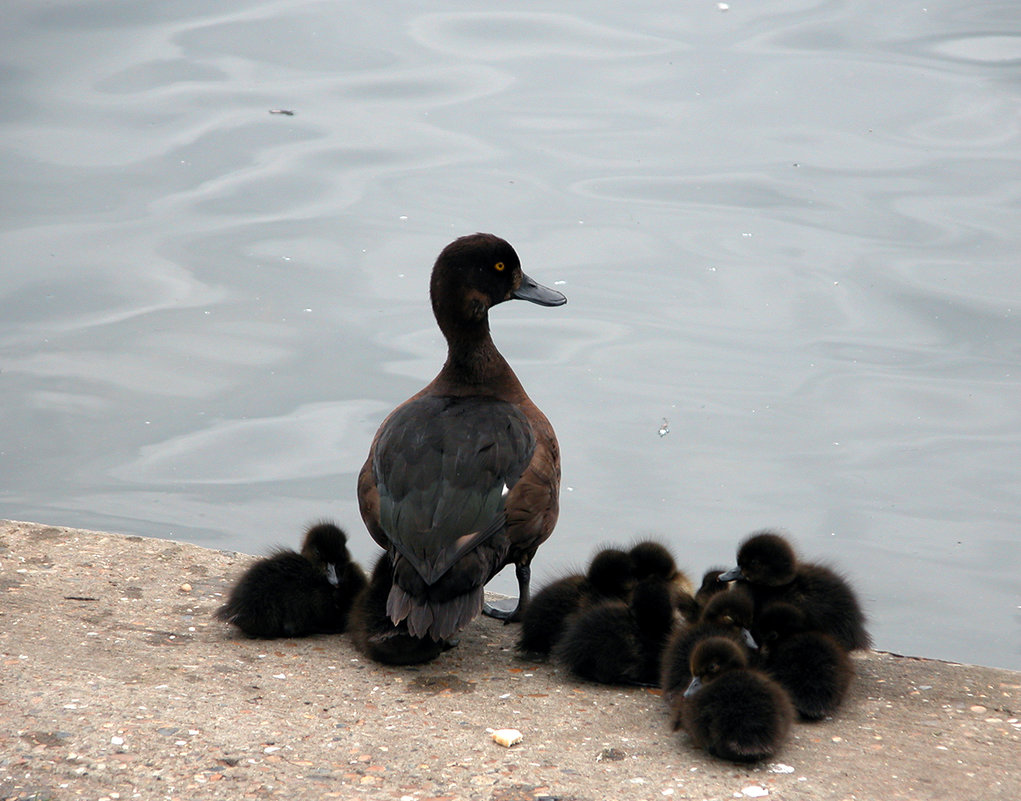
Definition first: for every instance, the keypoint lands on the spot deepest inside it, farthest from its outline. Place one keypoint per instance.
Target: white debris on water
(664, 427)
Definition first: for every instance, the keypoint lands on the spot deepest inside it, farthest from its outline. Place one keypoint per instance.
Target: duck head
(476, 272)
(765, 559)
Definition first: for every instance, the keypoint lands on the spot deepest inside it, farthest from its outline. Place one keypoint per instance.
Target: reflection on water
(789, 230)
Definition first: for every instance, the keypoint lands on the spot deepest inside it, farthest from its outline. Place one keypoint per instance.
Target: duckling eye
(499, 266)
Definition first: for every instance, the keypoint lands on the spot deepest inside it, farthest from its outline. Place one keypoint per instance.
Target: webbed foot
(506, 609)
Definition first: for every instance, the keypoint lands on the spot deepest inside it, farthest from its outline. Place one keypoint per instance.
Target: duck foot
(505, 609)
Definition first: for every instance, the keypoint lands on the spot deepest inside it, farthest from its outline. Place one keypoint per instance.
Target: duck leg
(509, 609)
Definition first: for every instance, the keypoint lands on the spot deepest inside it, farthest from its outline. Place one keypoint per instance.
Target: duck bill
(731, 575)
(749, 640)
(535, 292)
(694, 687)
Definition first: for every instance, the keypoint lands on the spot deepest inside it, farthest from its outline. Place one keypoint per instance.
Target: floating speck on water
(559, 283)
(723, 6)
(664, 427)
(403, 218)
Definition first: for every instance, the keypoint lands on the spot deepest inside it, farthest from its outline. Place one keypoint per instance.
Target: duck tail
(436, 619)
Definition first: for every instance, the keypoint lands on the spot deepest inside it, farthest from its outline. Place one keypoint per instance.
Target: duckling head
(611, 573)
(652, 559)
(325, 545)
(765, 559)
(713, 657)
(778, 621)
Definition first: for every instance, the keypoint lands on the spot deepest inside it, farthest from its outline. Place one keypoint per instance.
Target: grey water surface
(789, 233)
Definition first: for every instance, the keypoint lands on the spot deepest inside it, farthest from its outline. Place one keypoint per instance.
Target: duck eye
(499, 266)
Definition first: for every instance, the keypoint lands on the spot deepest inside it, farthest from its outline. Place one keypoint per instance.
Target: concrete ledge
(118, 683)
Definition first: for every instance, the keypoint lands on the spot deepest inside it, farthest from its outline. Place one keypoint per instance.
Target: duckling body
(614, 642)
(609, 576)
(768, 566)
(375, 635)
(291, 594)
(814, 669)
(732, 711)
(726, 614)
(464, 477)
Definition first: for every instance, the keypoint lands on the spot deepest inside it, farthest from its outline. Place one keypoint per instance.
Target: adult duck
(463, 478)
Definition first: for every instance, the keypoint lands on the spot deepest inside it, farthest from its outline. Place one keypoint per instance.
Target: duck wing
(443, 466)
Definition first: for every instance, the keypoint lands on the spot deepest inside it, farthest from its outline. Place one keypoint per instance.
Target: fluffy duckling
(291, 594)
(609, 576)
(731, 710)
(653, 559)
(768, 566)
(620, 643)
(463, 478)
(726, 614)
(810, 665)
(691, 606)
(373, 632)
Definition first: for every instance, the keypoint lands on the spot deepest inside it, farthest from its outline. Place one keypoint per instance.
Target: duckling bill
(463, 478)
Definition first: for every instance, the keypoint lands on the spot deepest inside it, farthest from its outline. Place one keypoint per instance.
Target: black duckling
(609, 576)
(732, 711)
(810, 665)
(691, 606)
(652, 558)
(766, 563)
(614, 642)
(375, 635)
(464, 477)
(726, 614)
(291, 594)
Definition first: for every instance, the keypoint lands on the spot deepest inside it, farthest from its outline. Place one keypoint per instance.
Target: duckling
(726, 614)
(732, 711)
(691, 606)
(463, 478)
(375, 635)
(609, 576)
(767, 564)
(810, 665)
(614, 642)
(652, 558)
(292, 594)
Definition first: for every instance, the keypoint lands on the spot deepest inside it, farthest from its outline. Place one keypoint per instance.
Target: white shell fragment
(507, 737)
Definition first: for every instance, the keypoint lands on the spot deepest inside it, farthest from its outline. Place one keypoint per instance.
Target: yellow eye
(499, 266)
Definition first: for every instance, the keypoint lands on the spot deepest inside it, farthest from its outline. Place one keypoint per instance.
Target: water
(788, 232)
